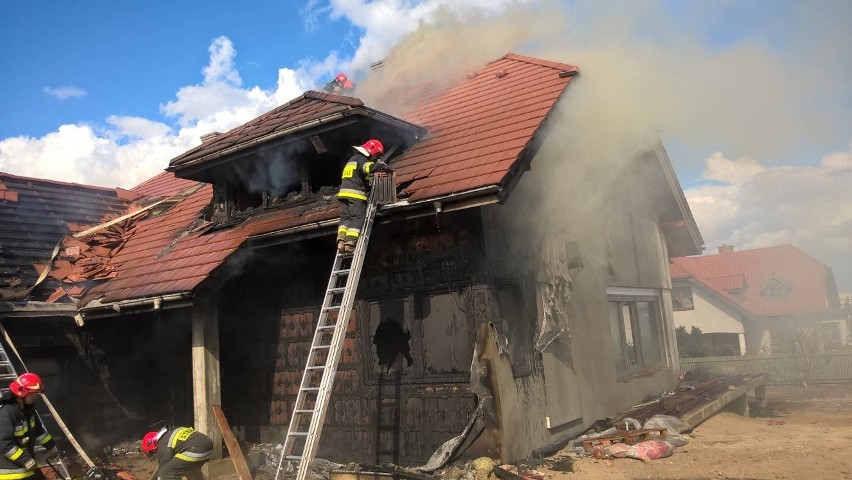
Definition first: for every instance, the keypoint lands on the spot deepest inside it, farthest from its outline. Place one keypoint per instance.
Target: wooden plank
(231, 442)
(206, 386)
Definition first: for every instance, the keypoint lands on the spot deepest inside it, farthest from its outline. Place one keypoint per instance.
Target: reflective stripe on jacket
(185, 444)
(357, 174)
(20, 431)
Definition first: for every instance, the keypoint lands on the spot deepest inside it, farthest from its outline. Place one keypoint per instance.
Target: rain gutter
(447, 203)
(96, 309)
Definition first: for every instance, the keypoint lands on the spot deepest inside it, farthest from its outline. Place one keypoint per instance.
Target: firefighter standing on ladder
(354, 191)
(21, 429)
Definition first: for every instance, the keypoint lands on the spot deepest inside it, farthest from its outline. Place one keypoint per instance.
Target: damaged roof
(477, 135)
(741, 277)
(36, 213)
(481, 133)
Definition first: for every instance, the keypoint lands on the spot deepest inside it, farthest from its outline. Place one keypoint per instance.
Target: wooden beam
(231, 442)
(206, 382)
(695, 417)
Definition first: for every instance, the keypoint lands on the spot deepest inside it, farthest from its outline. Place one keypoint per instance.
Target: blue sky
(751, 97)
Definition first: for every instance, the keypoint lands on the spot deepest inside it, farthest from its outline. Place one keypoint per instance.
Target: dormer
(775, 288)
(288, 156)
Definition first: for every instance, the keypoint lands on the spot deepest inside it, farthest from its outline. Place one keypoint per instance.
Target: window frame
(631, 298)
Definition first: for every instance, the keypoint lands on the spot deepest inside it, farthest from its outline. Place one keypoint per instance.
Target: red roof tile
(479, 128)
(40, 212)
(811, 281)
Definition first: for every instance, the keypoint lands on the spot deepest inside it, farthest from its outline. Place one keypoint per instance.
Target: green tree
(690, 344)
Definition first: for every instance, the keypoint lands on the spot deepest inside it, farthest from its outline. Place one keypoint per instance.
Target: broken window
(682, 299)
(636, 326)
(445, 329)
(516, 323)
(390, 338)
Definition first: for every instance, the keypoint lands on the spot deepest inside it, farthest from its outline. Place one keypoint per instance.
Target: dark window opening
(393, 344)
(682, 299)
(445, 335)
(516, 323)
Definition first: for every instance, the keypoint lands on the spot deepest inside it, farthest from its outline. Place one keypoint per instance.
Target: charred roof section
(315, 124)
(35, 214)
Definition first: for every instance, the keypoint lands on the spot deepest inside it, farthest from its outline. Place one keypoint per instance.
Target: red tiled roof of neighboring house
(479, 129)
(811, 282)
(37, 213)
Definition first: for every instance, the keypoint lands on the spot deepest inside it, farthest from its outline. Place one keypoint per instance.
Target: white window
(636, 325)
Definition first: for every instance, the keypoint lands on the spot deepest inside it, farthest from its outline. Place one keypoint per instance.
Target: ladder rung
(310, 389)
(336, 289)
(317, 367)
(292, 457)
(298, 434)
(320, 347)
(342, 271)
(304, 411)
(326, 327)
(331, 308)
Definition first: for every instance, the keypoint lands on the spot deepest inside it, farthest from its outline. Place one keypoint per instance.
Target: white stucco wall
(707, 316)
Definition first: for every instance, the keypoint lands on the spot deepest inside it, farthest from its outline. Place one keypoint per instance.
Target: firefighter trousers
(352, 214)
(176, 468)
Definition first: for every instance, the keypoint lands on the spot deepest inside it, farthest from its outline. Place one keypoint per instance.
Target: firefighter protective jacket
(20, 431)
(186, 444)
(357, 175)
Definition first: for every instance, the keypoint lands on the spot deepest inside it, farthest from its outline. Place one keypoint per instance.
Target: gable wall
(620, 244)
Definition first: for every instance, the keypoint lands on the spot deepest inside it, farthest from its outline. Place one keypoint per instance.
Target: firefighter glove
(381, 166)
(30, 465)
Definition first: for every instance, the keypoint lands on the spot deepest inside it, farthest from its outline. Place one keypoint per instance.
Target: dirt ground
(802, 434)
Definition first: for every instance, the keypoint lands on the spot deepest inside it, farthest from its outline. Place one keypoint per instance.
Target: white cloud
(63, 93)
(756, 206)
(128, 150)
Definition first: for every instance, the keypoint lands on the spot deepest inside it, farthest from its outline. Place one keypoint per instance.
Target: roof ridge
(330, 97)
(538, 61)
(57, 182)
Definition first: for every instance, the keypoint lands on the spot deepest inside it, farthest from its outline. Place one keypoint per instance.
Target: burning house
(529, 288)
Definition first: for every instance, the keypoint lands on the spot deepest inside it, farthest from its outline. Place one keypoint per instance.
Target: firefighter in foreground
(354, 192)
(180, 452)
(21, 429)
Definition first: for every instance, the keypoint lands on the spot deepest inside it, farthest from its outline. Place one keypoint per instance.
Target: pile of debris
(83, 258)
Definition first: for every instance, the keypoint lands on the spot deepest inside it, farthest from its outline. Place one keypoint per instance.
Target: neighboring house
(535, 287)
(752, 301)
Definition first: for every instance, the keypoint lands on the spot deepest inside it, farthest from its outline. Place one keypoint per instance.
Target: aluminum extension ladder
(7, 371)
(7, 375)
(311, 405)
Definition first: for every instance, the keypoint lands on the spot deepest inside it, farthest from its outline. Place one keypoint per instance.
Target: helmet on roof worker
(341, 78)
(348, 84)
(373, 147)
(25, 384)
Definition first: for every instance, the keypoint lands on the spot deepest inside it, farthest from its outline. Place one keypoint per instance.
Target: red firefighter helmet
(27, 383)
(149, 442)
(341, 78)
(373, 147)
(348, 84)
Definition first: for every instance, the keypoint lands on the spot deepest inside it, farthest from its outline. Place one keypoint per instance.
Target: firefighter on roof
(21, 430)
(354, 191)
(341, 85)
(180, 452)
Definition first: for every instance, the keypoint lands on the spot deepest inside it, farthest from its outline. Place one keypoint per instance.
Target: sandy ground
(802, 434)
